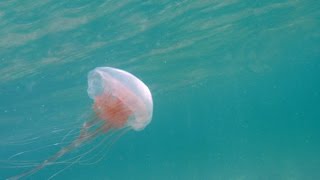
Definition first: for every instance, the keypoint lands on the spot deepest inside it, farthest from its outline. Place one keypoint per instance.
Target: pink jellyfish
(121, 101)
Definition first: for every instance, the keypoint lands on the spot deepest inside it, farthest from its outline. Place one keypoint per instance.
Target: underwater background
(235, 85)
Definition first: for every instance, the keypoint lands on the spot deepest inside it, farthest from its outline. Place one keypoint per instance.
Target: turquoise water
(235, 84)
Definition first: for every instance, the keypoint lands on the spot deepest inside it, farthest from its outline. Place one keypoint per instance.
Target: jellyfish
(121, 102)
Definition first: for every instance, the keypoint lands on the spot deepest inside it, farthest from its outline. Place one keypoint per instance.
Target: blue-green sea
(235, 87)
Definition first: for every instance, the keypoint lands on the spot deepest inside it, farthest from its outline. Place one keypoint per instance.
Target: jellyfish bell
(120, 102)
(120, 98)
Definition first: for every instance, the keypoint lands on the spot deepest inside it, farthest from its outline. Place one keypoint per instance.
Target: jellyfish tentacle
(87, 125)
(79, 157)
(36, 149)
(17, 164)
(76, 143)
(55, 174)
(114, 138)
